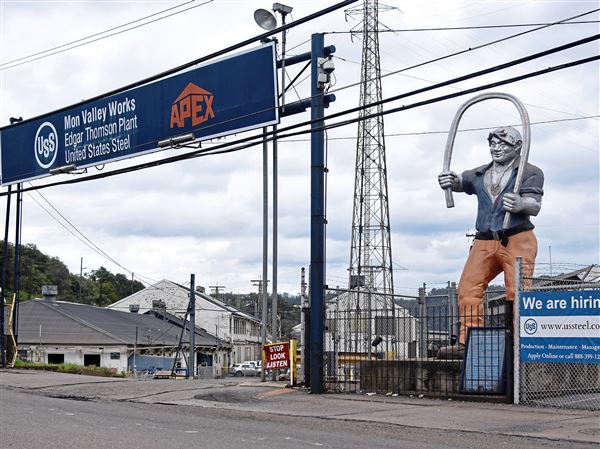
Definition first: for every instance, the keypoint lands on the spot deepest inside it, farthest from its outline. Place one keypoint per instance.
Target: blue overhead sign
(228, 96)
(561, 326)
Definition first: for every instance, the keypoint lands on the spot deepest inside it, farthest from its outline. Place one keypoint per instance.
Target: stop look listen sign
(277, 355)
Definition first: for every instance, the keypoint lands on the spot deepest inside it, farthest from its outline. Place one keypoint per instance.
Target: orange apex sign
(193, 103)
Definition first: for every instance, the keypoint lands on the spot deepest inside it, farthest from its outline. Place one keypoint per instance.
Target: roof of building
(591, 273)
(65, 323)
(352, 301)
(176, 298)
(179, 322)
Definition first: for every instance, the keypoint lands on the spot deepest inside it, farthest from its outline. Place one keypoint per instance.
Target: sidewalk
(273, 398)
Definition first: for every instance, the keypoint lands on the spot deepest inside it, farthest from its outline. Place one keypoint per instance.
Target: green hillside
(98, 287)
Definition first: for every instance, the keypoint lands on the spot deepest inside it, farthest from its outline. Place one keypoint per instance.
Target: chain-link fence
(408, 344)
(567, 372)
(391, 344)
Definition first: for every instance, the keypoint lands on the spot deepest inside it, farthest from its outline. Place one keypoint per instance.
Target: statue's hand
(448, 179)
(512, 203)
(521, 204)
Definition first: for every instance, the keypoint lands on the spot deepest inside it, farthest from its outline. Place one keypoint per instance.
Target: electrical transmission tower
(371, 250)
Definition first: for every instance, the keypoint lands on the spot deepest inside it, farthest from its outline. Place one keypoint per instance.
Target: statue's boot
(456, 351)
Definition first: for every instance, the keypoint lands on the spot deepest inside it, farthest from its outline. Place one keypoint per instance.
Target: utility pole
(258, 304)
(257, 283)
(216, 289)
(80, 278)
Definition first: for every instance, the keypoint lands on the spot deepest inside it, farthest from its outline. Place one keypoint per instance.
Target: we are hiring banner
(560, 326)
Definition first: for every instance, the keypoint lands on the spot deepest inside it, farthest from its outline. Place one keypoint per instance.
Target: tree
(100, 287)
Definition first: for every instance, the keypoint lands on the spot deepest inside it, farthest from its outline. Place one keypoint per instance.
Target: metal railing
(390, 344)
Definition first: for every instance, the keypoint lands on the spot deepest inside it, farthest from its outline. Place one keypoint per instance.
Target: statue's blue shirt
(490, 215)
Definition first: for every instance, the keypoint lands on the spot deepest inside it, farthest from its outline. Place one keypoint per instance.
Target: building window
(239, 326)
(56, 359)
(23, 356)
(91, 359)
(115, 355)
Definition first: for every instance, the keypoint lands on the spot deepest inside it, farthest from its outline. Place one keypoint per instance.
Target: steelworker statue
(496, 246)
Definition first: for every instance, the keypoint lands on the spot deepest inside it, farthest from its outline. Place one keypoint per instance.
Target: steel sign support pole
(17, 267)
(264, 294)
(4, 268)
(317, 221)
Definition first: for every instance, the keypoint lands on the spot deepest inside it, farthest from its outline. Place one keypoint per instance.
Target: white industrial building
(240, 330)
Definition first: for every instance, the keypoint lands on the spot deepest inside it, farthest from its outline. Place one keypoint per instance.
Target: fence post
(452, 312)
(422, 322)
(369, 324)
(517, 331)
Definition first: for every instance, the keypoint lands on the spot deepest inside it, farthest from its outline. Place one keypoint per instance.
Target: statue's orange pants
(487, 259)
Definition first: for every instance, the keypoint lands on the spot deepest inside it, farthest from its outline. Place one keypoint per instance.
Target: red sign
(277, 355)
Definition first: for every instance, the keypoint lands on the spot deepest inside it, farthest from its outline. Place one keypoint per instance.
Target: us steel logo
(192, 103)
(530, 326)
(45, 145)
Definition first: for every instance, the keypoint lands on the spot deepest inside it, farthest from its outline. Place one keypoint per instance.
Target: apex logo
(193, 102)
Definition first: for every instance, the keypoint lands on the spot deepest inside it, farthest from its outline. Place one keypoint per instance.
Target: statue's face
(503, 152)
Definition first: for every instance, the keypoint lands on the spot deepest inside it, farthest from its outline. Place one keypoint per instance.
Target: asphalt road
(30, 420)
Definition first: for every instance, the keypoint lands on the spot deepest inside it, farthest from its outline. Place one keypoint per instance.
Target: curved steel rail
(524, 149)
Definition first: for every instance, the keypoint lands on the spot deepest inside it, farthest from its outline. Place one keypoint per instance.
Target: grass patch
(70, 368)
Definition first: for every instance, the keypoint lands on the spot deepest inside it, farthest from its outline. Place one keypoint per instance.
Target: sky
(204, 215)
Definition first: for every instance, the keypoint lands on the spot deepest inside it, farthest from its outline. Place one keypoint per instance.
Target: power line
(390, 72)
(477, 47)
(252, 140)
(85, 239)
(226, 148)
(99, 38)
(394, 98)
(202, 59)
(93, 35)
(424, 133)
(480, 27)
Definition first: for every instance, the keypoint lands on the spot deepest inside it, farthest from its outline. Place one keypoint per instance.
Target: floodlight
(265, 19)
(177, 140)
(63, 169)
